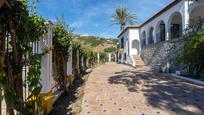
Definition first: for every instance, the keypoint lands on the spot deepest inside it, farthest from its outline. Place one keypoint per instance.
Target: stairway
(138, 60)
(158, 55)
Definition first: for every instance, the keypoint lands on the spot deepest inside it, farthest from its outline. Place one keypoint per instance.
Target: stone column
(154, 35)
(167, 31)
(46, 62)
(82, 61)
(109, 57)
(69, 63)
(146, 38)
(98, 58)
(87, 62)
(78, 59)
(185, 15)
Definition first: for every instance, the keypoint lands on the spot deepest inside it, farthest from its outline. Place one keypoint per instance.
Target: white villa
(150, 40)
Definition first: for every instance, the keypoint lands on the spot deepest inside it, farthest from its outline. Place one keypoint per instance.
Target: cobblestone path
(116, 89)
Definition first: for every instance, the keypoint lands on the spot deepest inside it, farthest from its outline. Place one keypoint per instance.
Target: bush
(192, 52)
(110, 49)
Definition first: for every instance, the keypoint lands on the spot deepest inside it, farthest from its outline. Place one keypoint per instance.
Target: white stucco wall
(125, 35)
(166, 17)
(134, 34)
(182, 8)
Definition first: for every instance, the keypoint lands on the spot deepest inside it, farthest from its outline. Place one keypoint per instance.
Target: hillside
(98, 44)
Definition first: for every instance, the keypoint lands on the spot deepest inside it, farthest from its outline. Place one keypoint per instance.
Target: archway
(122, 43)
(175, 25)
(197, 15)
(151, 36)
(135, 47)
(144, 38)
(161, 31)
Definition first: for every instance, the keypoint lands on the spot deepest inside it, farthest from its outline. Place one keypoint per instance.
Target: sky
(93, 17)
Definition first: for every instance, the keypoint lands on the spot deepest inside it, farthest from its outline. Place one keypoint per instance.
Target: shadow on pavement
(162, 91)
(61, 106)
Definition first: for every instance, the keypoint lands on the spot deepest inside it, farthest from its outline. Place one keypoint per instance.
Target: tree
(122, 17)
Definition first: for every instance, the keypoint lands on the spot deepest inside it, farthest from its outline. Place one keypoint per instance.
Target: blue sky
(93, 17)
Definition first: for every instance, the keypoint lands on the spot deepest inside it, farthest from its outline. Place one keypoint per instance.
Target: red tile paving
(116, 89)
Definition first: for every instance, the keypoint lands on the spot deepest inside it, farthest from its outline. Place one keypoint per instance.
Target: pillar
(78, 59)
(69, 63)
(186, 15)
(98, 58)
(154, 35)
(82, 61)
(87, 62)
(167, 31)
(46, 61)
(109, 57)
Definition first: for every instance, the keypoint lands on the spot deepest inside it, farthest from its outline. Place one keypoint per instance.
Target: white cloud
(78, 24)
(87, 16)
(86, 34)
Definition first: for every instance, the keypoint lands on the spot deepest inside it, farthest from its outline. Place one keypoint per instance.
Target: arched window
(161, 31)
(122, 43)
(175, 25)
(197, 16)
(135, 47)
(151, 36)
(144, 38)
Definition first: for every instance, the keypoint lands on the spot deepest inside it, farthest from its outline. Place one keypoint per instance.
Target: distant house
(150, 40)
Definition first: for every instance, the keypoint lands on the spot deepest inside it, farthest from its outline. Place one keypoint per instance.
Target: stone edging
(189, 79)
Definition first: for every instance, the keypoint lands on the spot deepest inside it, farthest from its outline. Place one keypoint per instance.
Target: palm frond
(122, 16)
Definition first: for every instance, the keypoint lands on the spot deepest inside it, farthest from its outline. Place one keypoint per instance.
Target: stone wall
(160, 56)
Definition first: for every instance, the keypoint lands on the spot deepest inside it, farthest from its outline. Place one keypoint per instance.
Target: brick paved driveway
(116, 89)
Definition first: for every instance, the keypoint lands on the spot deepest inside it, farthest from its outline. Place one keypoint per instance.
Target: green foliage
(91, 41)
(103, 57)
(34, 73)
(110, 49)
(62, 36)
(122, 16)
(87, 52)
(115, 41)
(24, 29)
(192, 52)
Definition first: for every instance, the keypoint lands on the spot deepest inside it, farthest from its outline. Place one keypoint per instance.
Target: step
(138, 60)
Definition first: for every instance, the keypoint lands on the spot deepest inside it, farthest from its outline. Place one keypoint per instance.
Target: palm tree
(122, 16)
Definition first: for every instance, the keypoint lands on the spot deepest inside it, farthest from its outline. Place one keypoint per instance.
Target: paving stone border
(188, 79)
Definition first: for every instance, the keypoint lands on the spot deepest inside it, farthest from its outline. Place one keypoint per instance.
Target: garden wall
(160, 56)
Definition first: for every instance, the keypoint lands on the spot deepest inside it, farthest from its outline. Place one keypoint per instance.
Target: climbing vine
(62, 35)
(75, 48)
(103, 57)
(18, 29)
(88, 54)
